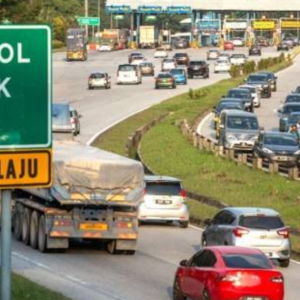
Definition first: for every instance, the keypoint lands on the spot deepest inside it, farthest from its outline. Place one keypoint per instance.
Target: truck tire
(26, 226)
(34, 229)
(18, 221)
(42, 238)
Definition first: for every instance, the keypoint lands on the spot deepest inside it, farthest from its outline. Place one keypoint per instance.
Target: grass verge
(24, 289)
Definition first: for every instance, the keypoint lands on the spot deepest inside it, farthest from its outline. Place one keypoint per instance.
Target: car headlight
(231, 137)
(254, 138)
(297, 152)
(267, 151)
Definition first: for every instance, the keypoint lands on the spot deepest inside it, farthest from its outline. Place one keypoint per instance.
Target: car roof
(291, 104)
(252, 210)
(235, 112)
(232, 99)
(277, 133)
(238, 89)
(234, 250)
(160, 178)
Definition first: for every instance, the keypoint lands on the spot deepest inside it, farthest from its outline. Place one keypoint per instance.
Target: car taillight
(229, 278)
(122, 224)
(277, 279)
(144, 191)
(284, 232)
(239, 231)
(183, 193)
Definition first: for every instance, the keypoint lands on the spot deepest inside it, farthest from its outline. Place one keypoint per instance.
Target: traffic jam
(95, 196)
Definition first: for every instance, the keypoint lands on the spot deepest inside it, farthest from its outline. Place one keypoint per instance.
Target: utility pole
(86, 14)
(99, 16)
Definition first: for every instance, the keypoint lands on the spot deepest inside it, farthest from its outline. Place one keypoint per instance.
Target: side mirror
(183, 263)
(207, 222)
(79, 116)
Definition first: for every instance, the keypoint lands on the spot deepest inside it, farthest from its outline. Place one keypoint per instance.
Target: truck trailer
(94, 196)
(148, 37)
(76, 43)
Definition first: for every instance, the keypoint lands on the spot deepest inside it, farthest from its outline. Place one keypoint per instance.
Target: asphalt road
(87, 272)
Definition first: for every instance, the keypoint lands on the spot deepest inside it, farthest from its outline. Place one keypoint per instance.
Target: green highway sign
(25, 87)
(91, 21)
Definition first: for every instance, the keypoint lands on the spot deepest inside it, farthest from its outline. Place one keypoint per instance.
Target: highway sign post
(90, 21)
(25, 122)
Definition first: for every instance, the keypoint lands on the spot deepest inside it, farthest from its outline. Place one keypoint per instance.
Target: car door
(212, 230)
(224, 228)
(201, 273)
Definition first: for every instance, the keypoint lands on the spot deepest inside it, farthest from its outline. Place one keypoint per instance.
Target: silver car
(164, 200)
(250, 227)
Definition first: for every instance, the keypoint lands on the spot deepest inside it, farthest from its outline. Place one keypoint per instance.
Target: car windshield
(246, 261)
(261, 222)
(257, 78)
(294, 119)
(197, 63)
(146, 65)
(224, 61)
(290, 108)
(292, 98)
(237, 56)
(239, 94)
(177, 72)
(287, 140)
(242, 122)
(97, 76)
(163, 188)
(269, 75)
(127, 68)
(180, 55)
(226, 105)
(164, 76)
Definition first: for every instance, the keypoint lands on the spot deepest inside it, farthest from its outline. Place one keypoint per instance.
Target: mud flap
(126, 245)
(57, 243)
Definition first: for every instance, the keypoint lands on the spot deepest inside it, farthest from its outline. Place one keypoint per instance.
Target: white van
(128, 73)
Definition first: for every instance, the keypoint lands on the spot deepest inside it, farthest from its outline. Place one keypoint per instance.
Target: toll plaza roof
(215, 5)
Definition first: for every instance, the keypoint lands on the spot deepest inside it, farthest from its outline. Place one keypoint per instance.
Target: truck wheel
(111, 247)
(42, 239)
(18, 221)
(26, 226)
(34, 229)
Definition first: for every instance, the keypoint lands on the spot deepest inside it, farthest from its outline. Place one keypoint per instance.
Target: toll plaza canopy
(215, 5)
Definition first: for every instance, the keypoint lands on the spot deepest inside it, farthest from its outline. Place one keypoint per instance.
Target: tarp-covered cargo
(83, 173)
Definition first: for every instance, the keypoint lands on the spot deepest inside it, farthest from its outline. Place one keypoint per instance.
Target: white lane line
(76, 280)
(97, 134)
(203, 121)
(195, 227)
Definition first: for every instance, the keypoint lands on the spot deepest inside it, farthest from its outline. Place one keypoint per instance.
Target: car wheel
(284, 263)
(269, 95)
(177, 292)
(205, 295)
(184, 224)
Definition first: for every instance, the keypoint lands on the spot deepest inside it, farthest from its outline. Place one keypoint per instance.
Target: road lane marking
(203, 121)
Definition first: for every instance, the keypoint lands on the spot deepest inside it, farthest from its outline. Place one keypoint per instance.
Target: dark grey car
(272, 77)
(262, 82)
(242, 93)
(250, 227)
(281, 147)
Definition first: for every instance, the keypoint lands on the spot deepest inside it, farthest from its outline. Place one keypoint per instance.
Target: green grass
(24, 289)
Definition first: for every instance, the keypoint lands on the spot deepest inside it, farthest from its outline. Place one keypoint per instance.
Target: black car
(182, 59)
(198, 68)
(283, 47)
(281, 147)
(292, 98)
(255, 50)
(262, 82)
(243, 94)
(273, 79)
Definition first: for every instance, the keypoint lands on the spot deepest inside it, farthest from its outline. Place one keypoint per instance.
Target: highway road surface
(85, 271)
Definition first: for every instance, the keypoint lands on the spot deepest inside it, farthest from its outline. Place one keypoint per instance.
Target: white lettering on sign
(11, 54)
(3, 88)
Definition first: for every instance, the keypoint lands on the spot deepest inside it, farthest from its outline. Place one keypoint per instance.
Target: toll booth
(289, 27)
(265, 29)
(236, 28)
(209, 32)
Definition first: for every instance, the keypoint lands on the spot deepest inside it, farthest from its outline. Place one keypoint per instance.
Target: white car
(105, 47)
(224, 56)
(137, 60)
(168, 64)
(222, 66)
(255, 93)
(128, 74)
(238, 59)
(160, 53)
(213, 54)
(99, 80)
(237, 42)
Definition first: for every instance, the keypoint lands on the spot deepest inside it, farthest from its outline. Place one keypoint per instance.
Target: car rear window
(197, 63)
(261, 222)
(246, 261)
(127, 68)
(164, 76)
(163, 188)
(177, 72)
(97, 76)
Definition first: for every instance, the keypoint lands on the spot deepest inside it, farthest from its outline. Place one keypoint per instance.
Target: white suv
(128, 73)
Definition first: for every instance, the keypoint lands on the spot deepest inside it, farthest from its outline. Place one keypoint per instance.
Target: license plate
(94, 226)
(253, 298)
(163, 201)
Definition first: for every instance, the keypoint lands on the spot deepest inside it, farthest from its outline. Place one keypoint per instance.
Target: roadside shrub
(289, 58)
(235, 71)
(281, 57)
(249, 67)
(57, 44)
(191, 94)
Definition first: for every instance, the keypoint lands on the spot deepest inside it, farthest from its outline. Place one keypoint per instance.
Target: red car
(228, 45)
(228, 273)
